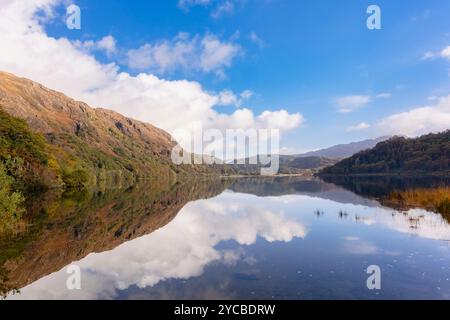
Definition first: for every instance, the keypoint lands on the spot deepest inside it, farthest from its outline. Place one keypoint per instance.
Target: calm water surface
(284, 239)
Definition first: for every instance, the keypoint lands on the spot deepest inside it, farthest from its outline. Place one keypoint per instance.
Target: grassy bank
(437, 199)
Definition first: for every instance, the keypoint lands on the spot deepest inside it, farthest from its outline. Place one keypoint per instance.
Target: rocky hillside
(84, 138)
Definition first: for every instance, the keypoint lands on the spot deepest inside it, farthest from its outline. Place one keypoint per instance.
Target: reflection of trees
(5, 287)
(434, 199)
(67, 229)
(382, 186)
(277, 186)
(401, 193)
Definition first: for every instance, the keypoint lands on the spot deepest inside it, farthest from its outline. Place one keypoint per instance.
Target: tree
(11, 202)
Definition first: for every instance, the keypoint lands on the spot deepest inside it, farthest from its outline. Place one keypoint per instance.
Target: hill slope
(344, 150)
(50, 141)
(429, 154)
(96, 140)
(287, 165)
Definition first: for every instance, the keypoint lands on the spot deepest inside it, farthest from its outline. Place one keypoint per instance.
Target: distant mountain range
(288, 165)
(310, 161)
(429, 154)
(344, 150)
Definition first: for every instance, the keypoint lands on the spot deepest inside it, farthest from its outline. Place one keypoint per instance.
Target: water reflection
(258, 239)
(381, 186)
(62, 230)
(181, 250)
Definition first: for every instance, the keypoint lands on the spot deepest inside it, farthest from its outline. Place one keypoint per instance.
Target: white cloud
(216, 55)
(205, 54)
(446, 52)
(418, 121)
(218, 8)
(358, 127)
(229, 98)
(349, 104)
(383, 95)
(246, 94)
(106, 44)
(226, 7)
(256, 39)
(62, 65)
(428, 55)
(280, 120)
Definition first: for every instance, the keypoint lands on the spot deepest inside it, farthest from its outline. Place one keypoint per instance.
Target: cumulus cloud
(63, 65)
(107, 44)
(280, 119)
(228, 97)
(358, 127)
(418, 121)
(204, 54)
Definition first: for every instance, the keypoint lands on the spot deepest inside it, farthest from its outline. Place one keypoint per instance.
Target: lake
(283, 238)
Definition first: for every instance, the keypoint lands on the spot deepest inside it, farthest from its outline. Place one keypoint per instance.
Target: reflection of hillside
(381, 186)
(278, 186)
(401, 193)
(181, 250)
(67, 230)
(434, 199)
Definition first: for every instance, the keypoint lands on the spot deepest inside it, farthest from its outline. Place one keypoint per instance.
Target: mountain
(79, 138)
(287, 165)
(49, 141)
(427, 155)
(290, 164)
(311, 161)
(344, 150)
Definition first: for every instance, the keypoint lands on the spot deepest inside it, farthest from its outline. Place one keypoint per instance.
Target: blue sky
(307, 57)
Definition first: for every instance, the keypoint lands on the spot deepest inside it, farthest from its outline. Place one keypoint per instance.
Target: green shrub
(76, 180)
(16, 140)
(11, 203)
